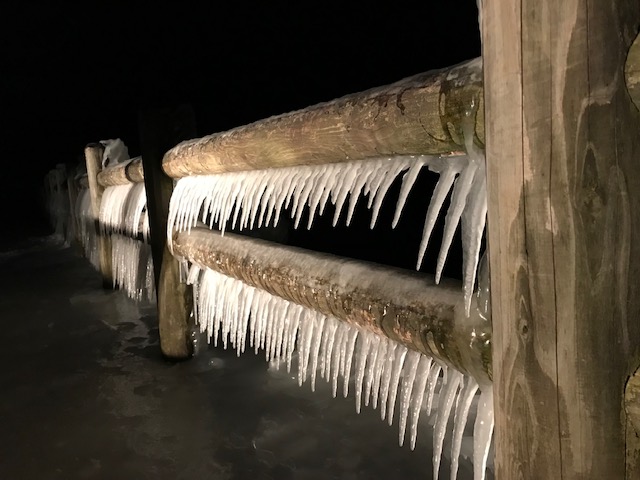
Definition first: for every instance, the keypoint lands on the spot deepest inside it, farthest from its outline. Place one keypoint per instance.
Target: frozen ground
(85, 394)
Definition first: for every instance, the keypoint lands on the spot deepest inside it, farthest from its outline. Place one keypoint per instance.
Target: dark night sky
(77, 73)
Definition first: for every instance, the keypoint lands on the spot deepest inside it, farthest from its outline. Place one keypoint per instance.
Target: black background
(71, 74)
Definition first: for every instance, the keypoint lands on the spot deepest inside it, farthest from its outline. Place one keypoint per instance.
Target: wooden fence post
(563, 144)
(93, 157)
(160, 130)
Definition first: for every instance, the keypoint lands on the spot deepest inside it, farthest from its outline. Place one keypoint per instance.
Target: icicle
(281, 339)
(379, 366)
(335, 358)
(379, 195)
(473, 217)
(432, 381)
(375, 181)
(360, 367)
(135, 206)
(129, 264)
(321, 189)
(306, 335)
(482, 433)
(395, 380)
(386, 378)
(113, 208)
(350, 345)
(458, 202)
(308, 185)
(448, 169)
(292, 335)
(408, 179)
(356, 190)
(447, 395)
(460, 420)
(315, 349)
(280, 183)
(407, 387)
(416, 402)
(370, 372)
(325, 371)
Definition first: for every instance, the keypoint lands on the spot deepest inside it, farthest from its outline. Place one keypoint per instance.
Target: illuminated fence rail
(407, 339)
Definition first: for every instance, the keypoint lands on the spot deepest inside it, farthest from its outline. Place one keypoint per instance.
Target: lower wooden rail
(405, 306)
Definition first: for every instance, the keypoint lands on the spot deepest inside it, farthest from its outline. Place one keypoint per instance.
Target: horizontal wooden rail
(131, 172)
(423, 114)
(405, 306)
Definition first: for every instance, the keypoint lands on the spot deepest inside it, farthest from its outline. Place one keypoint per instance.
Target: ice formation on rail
(385, 373)
(256, 198)
(123, 216)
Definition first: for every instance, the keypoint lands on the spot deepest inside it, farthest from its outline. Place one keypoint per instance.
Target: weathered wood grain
(131, 172)
(418, 115)
(564, 234)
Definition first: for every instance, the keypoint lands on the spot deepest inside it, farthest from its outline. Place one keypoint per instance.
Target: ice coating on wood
(112, 208)
(123, 216)
(123, 210)
(232, 313)
(256, 198)
(448, 393)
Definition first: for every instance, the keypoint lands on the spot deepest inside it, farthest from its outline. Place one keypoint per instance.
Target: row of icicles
(256, 198)
(124, 220)
(232, 312)
(124, 216)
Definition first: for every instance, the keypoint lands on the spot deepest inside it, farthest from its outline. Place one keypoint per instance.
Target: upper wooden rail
(402, 305)
(423, 114)
(131, 172)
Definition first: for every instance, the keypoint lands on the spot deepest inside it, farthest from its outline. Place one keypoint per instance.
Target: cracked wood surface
(564, 235)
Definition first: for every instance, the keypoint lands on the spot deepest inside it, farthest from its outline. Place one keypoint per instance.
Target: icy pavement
(86, 394)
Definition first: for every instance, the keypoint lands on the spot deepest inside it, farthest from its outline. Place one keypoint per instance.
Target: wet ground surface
(86, 394)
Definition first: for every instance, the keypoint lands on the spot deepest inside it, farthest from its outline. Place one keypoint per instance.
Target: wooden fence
(552, 108)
